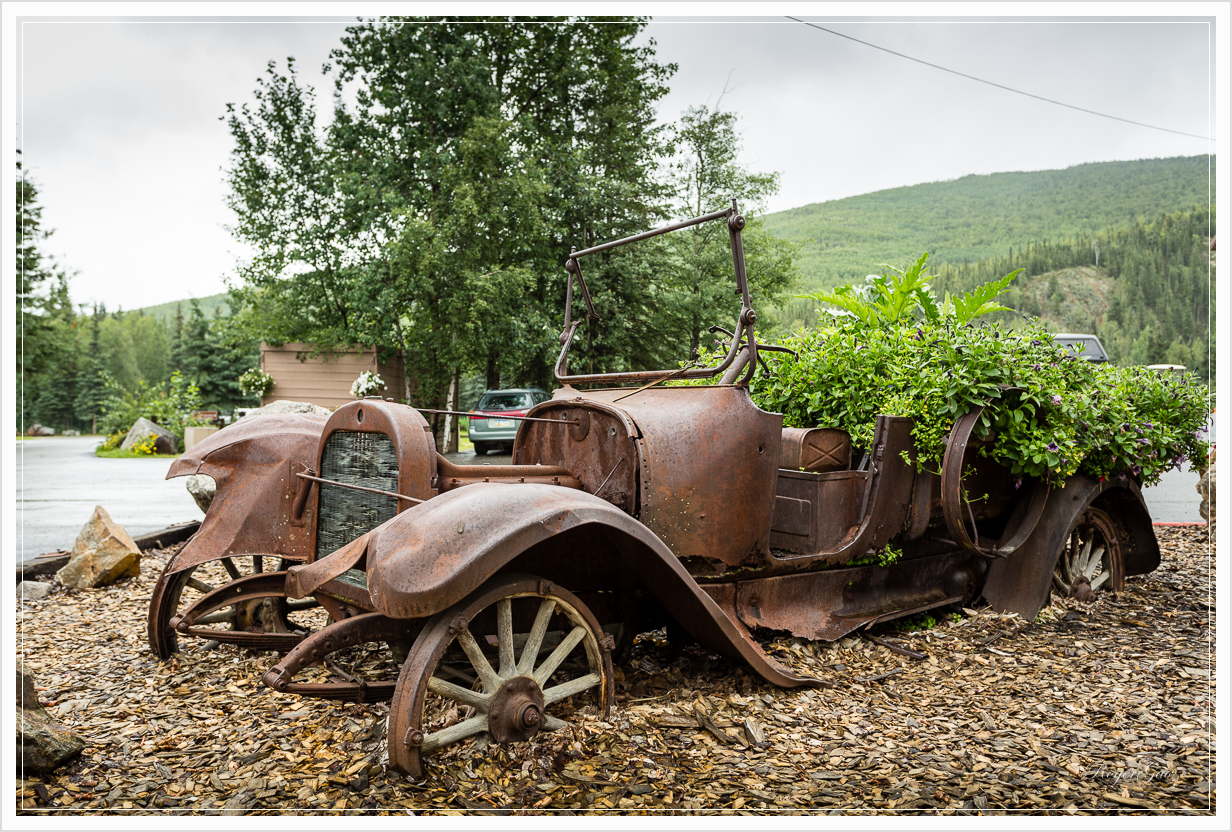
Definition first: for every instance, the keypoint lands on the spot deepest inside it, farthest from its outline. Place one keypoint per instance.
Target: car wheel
(481, 448)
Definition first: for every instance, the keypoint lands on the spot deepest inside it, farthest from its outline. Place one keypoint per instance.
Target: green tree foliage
(46, 360)
(432, 219)
(704, 177)
(92, 377)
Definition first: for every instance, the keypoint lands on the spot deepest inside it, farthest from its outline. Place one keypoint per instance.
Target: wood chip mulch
(1093, 708)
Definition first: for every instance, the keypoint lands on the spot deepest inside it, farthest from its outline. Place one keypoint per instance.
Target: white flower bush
(368, 384)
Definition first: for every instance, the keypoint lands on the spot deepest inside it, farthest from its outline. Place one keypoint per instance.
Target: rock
(103, 553)
(42, 743)
(201, 487)
(1206, 488)
(70, 433)
(284, 406)
(33, 590)
(143, 427)
(38, 430)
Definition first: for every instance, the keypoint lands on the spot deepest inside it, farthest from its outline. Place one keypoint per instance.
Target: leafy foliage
(899, 295)
(1052, 415)
(170, 406)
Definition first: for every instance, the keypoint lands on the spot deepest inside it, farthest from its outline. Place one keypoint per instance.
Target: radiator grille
(367, 459)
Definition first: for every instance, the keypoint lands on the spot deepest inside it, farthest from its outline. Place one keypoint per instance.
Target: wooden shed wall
(326, 379)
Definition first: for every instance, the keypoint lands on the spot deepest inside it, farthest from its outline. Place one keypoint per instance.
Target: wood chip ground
(1091, 709)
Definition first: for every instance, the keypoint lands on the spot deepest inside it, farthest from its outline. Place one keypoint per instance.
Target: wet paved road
(60, 481)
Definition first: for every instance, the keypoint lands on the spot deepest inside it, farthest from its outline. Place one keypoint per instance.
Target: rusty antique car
(502, 591)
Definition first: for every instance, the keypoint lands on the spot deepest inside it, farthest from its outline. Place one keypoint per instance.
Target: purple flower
(1018, 484)
(1035, 367)
(1143, 442)
(1056, 400)
(1137, 470)
(1052, 446)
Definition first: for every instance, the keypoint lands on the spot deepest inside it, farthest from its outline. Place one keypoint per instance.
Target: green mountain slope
(979, 217)
(165, 312)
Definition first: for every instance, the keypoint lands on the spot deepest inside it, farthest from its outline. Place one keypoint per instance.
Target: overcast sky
(119, 120)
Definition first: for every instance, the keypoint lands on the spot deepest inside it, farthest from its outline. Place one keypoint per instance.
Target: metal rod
(609, 476)
(674, 374)
(653, 233)
(361, 488)
(496, 416)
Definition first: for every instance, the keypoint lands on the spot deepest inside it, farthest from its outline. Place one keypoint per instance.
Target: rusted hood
(253, 464)
(257, 427)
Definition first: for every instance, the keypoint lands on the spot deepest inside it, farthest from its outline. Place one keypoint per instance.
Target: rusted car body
(502, 591)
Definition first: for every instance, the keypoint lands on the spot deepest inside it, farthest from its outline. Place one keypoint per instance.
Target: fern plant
(900, 295)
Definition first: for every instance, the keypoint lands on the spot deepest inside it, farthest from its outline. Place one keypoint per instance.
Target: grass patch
(116, 453)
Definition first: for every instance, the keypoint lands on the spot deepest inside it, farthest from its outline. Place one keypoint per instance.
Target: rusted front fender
(253, 464)
(1021, 582)
(435, 554)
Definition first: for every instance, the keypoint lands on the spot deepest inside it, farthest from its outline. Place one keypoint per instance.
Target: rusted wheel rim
(457, 684)
(175, 591)
(1091, 560)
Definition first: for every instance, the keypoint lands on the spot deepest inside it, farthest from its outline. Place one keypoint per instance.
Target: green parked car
(494, 432)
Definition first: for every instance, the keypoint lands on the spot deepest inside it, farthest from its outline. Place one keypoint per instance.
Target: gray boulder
(33, 590)
(39, 430)
(104, 552)
(143, 427)
(201, 487)
(284, 406)
(43, 744)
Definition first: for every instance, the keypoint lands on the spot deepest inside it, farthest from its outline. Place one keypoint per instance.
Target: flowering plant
(368, 384)
(255, 382)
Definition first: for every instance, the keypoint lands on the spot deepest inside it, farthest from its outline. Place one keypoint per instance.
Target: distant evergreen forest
(1145, 290)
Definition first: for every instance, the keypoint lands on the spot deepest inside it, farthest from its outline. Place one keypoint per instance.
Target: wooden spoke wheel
(175, 592)
(1091, 560)
(514, 658)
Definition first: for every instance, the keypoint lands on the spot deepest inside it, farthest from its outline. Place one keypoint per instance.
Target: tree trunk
(451, 421)
(493, 373)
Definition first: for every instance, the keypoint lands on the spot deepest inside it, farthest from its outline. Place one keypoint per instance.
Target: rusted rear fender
(435, 554)
(253, 465)
(1021, 582)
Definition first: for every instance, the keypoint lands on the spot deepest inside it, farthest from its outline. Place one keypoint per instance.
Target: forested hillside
(1145, 290)
(210, 306)
(978, 217)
